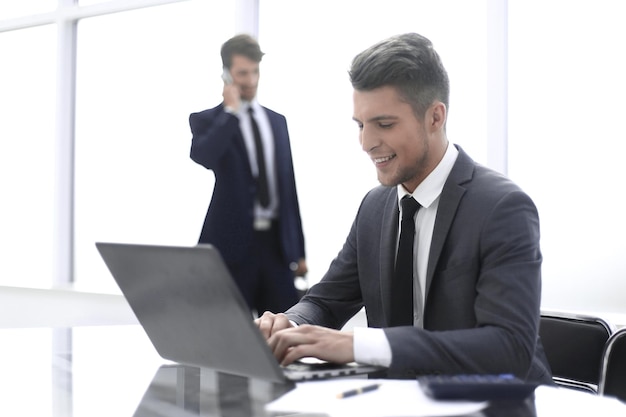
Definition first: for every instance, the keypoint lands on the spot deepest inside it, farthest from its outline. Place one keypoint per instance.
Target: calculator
(476, 387)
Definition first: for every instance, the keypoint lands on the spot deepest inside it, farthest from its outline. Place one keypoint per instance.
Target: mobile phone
(226, 77)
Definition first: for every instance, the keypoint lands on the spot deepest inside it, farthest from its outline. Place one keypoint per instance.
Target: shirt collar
(430, 189)
(243, 106)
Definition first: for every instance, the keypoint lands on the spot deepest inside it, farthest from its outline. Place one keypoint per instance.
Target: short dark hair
(241, 44)
(408, 62)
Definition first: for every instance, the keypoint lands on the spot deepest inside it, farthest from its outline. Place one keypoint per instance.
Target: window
(27, 156)
(139, 75)
(141, 72)
(20, 8)
(136, 86)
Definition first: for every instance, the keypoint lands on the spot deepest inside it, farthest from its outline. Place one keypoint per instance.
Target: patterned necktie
(262, 188)
(402, 284)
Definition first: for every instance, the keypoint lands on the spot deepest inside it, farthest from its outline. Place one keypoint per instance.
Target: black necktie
(262, 189)
(402, 284)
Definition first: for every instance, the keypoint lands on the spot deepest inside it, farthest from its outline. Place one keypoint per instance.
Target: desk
(114, 371)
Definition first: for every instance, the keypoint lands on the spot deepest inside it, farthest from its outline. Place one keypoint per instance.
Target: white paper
(394, 398)
(557, 401)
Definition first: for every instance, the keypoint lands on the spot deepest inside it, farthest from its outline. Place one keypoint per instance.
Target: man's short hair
(241, 44)
(408, 62)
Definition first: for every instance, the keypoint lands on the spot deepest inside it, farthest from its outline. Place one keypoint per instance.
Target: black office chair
(613, 377)
(574, 344)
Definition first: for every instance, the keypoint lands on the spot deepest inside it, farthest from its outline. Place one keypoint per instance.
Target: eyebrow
(377, 118)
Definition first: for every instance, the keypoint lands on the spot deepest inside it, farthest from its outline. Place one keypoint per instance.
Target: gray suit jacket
(483, 284)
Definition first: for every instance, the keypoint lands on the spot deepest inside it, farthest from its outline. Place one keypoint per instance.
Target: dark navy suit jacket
(218, 145)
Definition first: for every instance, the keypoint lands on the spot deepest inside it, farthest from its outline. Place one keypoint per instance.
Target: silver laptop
(192, 311)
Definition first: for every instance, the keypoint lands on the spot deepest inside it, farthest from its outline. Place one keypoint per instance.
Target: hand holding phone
(226, 77)
(231, 91)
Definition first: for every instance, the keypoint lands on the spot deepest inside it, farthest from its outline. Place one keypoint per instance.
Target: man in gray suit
(476, 268)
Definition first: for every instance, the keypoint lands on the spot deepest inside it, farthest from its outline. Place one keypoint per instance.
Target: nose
(367, 140)
(252, 80)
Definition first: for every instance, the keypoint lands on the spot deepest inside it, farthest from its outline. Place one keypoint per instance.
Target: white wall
(567, 144)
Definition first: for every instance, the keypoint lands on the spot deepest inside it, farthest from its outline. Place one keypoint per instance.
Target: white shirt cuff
(371, 346)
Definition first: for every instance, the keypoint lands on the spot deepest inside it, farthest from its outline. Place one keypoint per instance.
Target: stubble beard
(406, 174)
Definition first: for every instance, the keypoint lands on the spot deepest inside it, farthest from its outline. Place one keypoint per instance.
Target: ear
(436, 116)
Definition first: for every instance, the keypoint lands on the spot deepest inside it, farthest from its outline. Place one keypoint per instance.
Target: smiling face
(245, 74)
(403, 148)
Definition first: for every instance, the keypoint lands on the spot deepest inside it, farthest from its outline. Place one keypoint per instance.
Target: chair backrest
(613, 376)
(574, 344)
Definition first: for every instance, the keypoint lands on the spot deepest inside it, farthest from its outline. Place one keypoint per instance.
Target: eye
(385, 125)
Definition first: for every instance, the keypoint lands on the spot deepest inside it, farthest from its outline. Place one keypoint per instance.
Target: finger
(301, 351)
(285, 340)
(270, 323)
(279, 342)
(265, 324)
(281, 321)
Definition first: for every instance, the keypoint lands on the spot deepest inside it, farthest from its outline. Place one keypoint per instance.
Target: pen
(358, 391)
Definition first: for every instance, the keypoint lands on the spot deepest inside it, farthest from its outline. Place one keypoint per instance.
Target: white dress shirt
(267, 137)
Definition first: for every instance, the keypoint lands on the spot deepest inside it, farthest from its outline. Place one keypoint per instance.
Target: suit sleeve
(213, 133)
(289, 178)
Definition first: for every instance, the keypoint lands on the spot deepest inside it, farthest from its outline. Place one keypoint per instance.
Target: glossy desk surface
(115, 371)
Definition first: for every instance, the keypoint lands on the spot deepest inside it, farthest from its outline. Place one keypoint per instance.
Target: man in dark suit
(474, 303)
(254, 215)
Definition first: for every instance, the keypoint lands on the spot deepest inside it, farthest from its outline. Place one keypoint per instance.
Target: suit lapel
(276, 134)
(451, 195)
(241, 145)
(388, 243)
